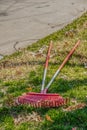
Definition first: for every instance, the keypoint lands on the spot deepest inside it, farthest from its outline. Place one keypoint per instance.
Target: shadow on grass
(63, 85)
(67, 120)
(60, 120)
(14, 111)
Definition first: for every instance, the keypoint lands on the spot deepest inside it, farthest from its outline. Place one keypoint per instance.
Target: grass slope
(22, 72)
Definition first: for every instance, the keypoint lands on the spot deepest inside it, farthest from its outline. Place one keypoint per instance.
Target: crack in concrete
(28, 16)
(17, 44)
(18, 40)
(52, 25)
(14, 46)
(5, 12)
(25, 6)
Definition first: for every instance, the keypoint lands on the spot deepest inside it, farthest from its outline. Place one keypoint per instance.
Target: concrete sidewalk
(23, 22)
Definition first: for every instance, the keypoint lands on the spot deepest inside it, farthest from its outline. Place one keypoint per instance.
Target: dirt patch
(75, 107)
(26, 118)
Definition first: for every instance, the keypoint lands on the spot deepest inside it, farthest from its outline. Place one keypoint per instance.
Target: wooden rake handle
(61, 66)
(69, 55)
(46, 66)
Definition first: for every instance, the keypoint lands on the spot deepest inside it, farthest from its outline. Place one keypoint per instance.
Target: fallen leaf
(39, 55)
(26, 118)
(18, 72)
(30, 89)
(48, 118)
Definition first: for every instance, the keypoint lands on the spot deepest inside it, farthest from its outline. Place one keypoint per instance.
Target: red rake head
(42, 100)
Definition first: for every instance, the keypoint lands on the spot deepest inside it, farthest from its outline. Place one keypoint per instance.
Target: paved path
(23, 22)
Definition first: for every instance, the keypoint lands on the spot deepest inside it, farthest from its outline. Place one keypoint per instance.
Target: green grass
(22, 72)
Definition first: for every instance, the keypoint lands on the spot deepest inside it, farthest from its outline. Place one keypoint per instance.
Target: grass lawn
(22, 72)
